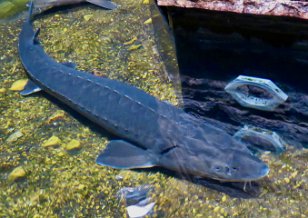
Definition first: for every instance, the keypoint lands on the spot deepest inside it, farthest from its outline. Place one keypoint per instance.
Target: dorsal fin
(30, 11)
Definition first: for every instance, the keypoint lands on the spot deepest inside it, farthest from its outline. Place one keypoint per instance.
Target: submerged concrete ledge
(287, 8)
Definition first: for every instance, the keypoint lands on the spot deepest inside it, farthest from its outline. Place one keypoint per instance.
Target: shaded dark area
(213, 48)
(233, 189)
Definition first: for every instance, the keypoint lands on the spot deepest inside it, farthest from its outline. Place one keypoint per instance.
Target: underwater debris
(259, 139)
(51, 142)
(260, 103)
(136, 200)
(19, 85)
(17, 173)
(139, 211)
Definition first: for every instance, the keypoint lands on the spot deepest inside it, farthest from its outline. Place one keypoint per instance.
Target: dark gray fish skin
(153, 133)
(47, 4)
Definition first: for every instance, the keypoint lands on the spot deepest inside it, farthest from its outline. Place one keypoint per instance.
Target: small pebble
(148, 21)
(294, 174)
(52, 141)
(134, 47)
(17, 173)
(217, 209)
(287, 180)
(130, 41)
(87, 17)
(14, 136)
(224, 198)
(73, 145)
(2, 90)
(119, 177)
(19, 85)
(81, 186)
(56, 116)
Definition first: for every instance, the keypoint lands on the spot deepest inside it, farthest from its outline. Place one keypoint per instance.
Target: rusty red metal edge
(288, 8)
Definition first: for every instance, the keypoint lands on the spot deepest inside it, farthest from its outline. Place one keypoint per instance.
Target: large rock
(266, 7)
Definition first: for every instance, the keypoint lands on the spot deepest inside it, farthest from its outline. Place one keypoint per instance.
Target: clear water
(60, 183)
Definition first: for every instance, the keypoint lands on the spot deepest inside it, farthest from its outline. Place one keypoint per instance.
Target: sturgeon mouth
(264, 172)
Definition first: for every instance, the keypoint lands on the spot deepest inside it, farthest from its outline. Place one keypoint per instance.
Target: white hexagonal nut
(263, 138)
(250, 101)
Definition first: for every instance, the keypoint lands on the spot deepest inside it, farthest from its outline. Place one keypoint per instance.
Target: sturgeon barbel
(150, 132)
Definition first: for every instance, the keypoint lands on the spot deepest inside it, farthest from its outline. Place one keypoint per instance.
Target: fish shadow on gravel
(233, 189)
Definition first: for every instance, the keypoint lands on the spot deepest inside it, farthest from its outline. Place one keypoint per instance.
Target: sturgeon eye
(235, 168)
(217, 168)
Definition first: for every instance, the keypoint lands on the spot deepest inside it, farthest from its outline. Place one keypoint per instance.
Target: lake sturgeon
(151, 132)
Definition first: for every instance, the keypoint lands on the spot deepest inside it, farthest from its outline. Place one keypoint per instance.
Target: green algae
(62, 184)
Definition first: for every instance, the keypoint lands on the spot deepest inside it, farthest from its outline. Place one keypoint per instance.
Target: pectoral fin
(70, 65)
(123, 155)
(30, 88)
(104, 4)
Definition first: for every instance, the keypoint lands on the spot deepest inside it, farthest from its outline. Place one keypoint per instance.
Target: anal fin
(123, 155)
(30, 88)
(35, 40)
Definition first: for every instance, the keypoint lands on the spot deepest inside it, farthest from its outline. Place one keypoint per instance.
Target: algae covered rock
(6, 7)
(73, 145)
(51, 142)
(18, 85)
(11, 7)
(2, 90)
(58, 115)
(17, 173)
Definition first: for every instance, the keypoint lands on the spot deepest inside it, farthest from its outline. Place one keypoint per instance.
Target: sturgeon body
(151, 132)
